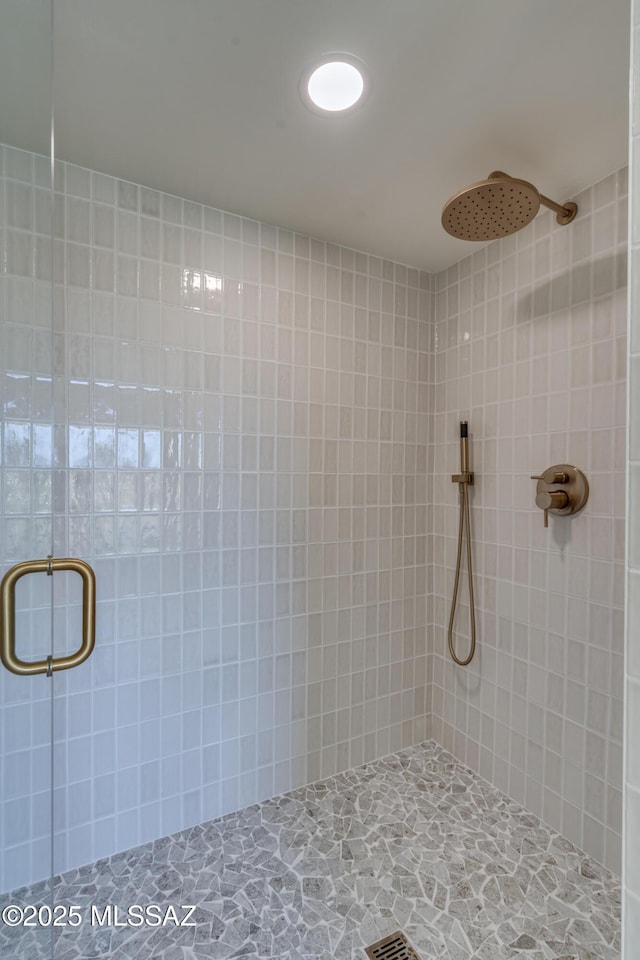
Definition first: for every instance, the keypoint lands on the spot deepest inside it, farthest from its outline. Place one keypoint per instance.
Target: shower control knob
(559, 477)
(561, 490)
(552, 499)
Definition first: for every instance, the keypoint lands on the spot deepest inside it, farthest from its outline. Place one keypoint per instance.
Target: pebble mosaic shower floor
(415, 842)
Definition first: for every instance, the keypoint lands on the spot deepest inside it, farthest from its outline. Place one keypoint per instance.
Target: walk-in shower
(235, 349)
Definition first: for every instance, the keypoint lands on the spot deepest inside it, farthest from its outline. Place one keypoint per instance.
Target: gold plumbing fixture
(464, 476)
(10, 659)
(561, 490)
(464, 479)
(497, 207)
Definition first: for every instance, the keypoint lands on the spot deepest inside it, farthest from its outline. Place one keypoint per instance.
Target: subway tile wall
(631, 858)
(239, 447)
(530, 348)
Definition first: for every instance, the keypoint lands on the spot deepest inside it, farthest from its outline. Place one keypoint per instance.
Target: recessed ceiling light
(334, 84)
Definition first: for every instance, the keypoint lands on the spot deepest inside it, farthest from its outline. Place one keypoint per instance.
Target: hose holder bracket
(466, 477)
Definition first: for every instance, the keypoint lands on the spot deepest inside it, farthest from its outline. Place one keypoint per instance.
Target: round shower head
(491, 208)
(497, 207)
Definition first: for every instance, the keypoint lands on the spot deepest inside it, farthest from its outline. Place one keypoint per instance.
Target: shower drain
(394, 947)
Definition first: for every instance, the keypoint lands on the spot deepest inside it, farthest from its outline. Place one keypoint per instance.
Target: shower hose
(464, 525)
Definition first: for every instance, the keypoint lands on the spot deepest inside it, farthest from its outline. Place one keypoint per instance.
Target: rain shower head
(497, 207)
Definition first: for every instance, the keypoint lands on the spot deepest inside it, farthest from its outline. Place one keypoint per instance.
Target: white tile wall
(240, 450)
(631, 857)
(530, 348)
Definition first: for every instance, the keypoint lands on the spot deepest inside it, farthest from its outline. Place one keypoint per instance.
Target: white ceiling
(200, 98)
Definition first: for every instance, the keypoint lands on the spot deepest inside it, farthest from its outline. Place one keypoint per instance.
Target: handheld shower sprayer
(464, 446)
(464, 479)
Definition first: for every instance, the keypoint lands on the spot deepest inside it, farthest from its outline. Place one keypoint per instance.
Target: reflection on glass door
(47, 600)
(26, 466)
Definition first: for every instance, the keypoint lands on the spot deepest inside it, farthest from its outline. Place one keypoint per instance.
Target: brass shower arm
(565, 212)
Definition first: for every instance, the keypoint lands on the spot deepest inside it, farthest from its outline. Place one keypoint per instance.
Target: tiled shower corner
(530, 347)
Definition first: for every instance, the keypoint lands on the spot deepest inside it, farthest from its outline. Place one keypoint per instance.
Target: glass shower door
(26, 479)
(47, 597)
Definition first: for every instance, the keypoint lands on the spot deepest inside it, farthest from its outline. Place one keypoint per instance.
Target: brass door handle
(10, 659)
